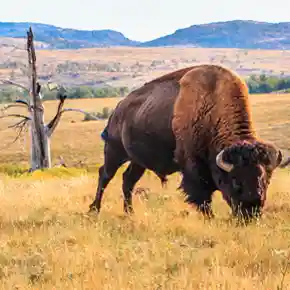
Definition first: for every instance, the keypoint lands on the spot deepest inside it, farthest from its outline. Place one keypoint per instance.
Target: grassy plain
(47, 241)
(128, 66)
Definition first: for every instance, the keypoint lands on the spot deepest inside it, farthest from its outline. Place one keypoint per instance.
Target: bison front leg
(130, 177)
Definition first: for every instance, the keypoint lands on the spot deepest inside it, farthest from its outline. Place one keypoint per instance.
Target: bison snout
(253, 198)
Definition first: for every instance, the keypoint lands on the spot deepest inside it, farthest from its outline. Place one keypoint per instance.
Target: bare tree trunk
(40, 149)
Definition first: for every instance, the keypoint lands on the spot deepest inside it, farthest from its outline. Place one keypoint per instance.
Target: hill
(56, 38)
(229, 34)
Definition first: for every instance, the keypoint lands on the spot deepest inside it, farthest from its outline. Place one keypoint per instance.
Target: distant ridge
(58, 38)
(246, 34)
(230, 34)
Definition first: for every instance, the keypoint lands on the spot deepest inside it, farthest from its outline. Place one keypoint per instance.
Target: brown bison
(196, 121)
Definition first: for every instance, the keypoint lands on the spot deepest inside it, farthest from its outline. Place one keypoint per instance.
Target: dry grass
(49, 242)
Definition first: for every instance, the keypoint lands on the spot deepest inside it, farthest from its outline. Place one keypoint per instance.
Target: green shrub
(103, 115)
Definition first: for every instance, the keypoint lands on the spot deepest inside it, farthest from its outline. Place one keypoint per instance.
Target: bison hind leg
(130, 177)
(115, 157)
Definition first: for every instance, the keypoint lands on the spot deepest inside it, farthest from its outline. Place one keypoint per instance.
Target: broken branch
(54, 122)
(5, 108)
(21, 128)
(16, 116)
(80, 111)
(8, 82)
(61, 162)
(19, 124)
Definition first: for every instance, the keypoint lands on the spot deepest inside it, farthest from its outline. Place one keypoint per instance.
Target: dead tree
(40, 132)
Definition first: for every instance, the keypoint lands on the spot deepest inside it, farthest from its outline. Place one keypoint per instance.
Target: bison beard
(196, 121)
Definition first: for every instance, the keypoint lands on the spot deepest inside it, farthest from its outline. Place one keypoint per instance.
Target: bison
(195, 121)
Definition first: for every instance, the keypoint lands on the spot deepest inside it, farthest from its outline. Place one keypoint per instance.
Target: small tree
(40, 132)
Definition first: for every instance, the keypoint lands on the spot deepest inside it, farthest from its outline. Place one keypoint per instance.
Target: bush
(103, 115)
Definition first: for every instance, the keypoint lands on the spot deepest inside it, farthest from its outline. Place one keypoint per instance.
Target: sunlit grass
(48, 241)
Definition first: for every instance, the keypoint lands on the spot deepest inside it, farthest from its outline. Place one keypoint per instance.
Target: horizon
(200, 24)
(141, 22)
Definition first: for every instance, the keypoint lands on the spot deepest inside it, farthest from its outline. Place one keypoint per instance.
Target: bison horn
(222, 164)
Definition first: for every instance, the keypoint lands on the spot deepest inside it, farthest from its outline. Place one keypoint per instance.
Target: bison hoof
(93, 209)
(128, 210)
(208, 215)
(206, 211)
(246, 218)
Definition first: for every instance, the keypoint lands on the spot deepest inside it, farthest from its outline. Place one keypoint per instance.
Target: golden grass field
(47, 240)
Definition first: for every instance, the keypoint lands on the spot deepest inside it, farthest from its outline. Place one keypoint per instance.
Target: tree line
(258, 84)
(10, 93)
(262, 84)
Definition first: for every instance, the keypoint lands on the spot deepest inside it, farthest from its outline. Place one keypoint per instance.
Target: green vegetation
(17, 171)
(262, 84)
(104, 114)
(10, 94)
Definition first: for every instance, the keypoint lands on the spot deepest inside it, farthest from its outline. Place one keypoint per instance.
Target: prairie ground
(48, 241)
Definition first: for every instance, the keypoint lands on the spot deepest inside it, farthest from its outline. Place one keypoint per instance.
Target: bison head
(244, 173)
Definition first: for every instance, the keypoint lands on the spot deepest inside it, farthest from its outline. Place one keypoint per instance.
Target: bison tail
(105, 134)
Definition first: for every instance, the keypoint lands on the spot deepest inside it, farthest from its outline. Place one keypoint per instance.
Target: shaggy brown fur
(211, 113)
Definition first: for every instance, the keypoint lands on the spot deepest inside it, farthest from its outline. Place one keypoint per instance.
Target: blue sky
(141, 20)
